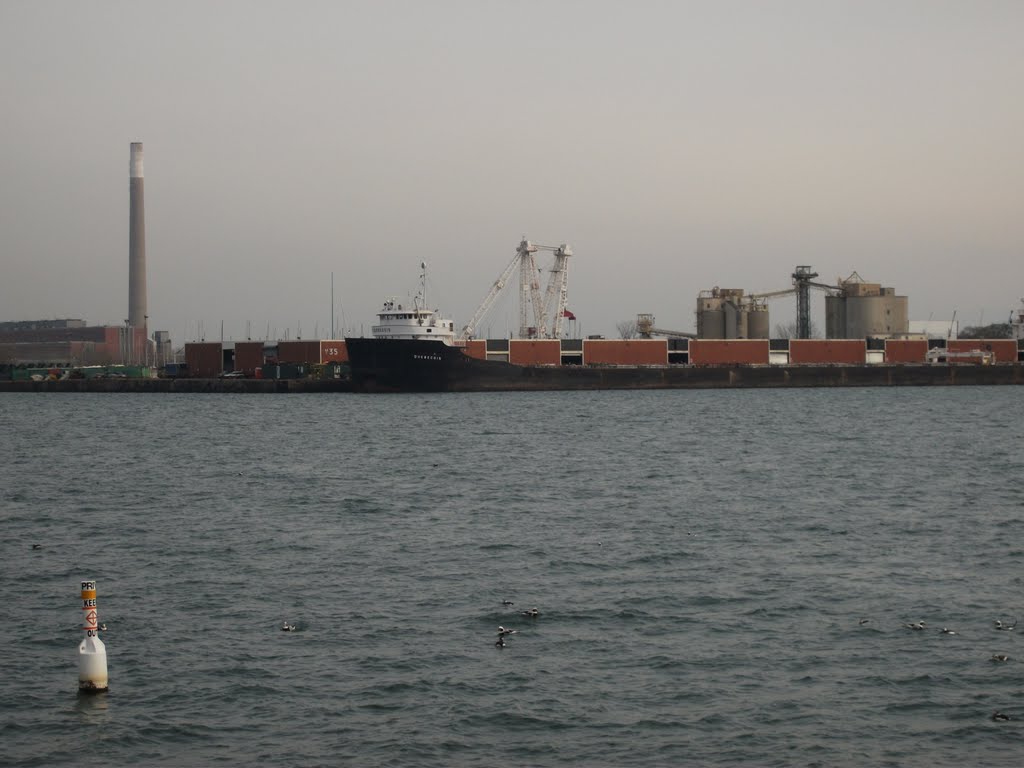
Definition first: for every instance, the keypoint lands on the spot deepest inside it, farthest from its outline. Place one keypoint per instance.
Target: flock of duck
(999, 658)
(504, 632)
(532, 613)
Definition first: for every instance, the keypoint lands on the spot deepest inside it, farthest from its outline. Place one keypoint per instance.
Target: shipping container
(205, 359)
(284, 371)
(625, 352)
(298, 351)
(538, 352)
(729, 352)
(333, 351)
(827, 351)
(905, 350)
(248, 356)
(1004, 350)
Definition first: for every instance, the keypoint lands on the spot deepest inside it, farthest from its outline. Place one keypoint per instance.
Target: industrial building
(726, 313)
(854, 309)
(858, 309)
(71, 342)
(74, 343)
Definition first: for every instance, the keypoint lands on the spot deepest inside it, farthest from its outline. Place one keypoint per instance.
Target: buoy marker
(92, 654)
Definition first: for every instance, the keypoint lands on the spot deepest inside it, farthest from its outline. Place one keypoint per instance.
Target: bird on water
(947, 631)
(500, 642)
(507, 602)
(1000, 657)
(997, 715)
(502, 631)
(533, 613)
(916, 625)
(999, 624)
(286, 627)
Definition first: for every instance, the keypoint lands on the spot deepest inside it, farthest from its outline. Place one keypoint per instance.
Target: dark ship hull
(408, 365)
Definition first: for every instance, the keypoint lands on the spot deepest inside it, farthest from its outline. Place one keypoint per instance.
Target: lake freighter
(415, 349)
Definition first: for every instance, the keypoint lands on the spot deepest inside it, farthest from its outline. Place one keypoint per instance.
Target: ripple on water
(700, 561)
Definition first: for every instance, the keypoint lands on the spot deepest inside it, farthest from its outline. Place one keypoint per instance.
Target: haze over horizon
(676, 146)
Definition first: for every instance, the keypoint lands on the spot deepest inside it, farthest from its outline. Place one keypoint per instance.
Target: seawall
(540, 378)
(211, 386)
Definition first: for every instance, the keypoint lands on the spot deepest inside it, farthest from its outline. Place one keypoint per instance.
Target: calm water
(701, 562)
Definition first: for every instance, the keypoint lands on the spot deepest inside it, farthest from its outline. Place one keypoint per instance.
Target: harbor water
(722, 577)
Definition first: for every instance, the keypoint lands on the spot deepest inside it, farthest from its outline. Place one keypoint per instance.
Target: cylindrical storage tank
(875, 315)
(731, 316)
(835, 317)
(758, 325)
(711, 324)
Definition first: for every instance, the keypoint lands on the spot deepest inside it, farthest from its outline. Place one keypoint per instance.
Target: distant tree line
(627, 329)
(992, 331)
(788, 330)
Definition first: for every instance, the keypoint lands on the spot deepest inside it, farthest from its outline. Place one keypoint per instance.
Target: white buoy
(92, 654)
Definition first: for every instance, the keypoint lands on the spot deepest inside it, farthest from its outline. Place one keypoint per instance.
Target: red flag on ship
(568, 314)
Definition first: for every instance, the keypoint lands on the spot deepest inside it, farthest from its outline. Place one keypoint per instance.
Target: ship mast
(420, 302)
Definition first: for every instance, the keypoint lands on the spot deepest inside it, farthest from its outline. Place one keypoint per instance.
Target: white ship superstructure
(395, 321)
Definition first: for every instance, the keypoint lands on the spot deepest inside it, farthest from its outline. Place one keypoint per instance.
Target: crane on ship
(549, 307)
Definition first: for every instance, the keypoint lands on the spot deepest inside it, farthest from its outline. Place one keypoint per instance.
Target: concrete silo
(860, 309)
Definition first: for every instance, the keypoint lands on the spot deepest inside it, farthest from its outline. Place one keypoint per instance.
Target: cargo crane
(529, 292)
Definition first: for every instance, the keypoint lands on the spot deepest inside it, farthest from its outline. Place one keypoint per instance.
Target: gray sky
(675, 145)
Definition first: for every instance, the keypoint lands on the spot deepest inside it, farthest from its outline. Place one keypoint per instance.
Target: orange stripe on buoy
(88, 594)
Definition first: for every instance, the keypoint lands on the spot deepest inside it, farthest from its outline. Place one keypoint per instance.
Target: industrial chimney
(136, 243)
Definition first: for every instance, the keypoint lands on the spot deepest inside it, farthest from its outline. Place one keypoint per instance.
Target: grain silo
(860, 309)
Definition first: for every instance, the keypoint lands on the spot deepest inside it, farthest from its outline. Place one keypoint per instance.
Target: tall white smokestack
(136, 243)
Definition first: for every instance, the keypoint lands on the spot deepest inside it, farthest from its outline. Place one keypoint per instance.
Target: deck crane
(529, 287)
(529, 292)
(558, 290)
